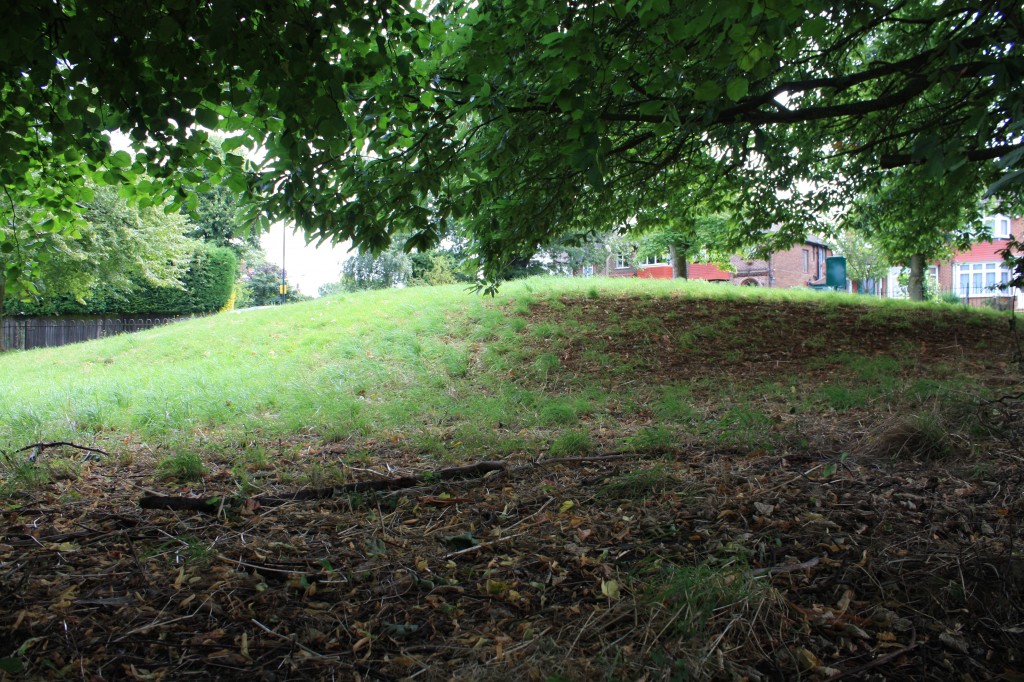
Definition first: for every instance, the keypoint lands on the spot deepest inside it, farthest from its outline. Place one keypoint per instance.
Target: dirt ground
(859, 544)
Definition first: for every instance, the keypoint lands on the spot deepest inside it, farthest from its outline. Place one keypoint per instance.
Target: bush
(207, 287)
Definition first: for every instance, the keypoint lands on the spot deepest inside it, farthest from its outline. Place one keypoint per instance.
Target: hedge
(208, 284)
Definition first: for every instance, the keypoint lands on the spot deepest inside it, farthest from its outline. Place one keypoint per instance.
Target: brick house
(973, 275)
(798, 266)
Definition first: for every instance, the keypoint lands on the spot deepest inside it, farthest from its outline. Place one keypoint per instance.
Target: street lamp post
(283, 289)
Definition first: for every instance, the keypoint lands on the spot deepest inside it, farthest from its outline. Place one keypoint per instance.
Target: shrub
(207, 287)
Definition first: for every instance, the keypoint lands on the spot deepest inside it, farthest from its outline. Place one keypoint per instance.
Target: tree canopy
(520, 120)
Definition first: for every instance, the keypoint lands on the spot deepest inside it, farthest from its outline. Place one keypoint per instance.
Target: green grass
(572, 444)
(439, 368)
(692, 595)
(638, 484)
(183, 466)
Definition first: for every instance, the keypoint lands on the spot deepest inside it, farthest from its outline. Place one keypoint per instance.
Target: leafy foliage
(204, 286)
(116, 244)
(864, 260)
(434, 267)
(389, 268)
(261, 285)
(383, 119)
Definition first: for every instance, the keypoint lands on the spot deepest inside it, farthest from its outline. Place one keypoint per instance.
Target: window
(981, 279)
(807, 260)
(655, 260)
(997, 225)
(621, 261)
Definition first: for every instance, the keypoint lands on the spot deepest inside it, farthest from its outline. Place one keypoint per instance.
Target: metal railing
(985, 296)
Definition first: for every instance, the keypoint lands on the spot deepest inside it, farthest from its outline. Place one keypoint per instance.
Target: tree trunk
(915, 287)
(680, 269)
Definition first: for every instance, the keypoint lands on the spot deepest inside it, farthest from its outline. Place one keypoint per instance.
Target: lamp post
(283, 289)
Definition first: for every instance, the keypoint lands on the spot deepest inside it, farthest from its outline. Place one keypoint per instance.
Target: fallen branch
(211, 505)
(57, 444)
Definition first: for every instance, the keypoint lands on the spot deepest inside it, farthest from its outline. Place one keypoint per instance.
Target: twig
(56, 444)
(856, 672)
(152, 625)
(302, 646)
(787, 568)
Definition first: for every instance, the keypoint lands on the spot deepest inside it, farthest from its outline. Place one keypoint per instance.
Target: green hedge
(208, 283)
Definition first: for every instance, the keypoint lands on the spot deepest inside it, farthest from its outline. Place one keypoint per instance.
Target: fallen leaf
(610, 588)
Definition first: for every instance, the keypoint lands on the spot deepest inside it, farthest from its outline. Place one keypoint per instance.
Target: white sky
(307, 266)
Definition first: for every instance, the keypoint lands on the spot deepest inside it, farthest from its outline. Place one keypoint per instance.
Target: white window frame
(997, 225)
(655, 260)
(980, 279)
(621, 261)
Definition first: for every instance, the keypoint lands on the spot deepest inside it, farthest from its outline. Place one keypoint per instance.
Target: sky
(307, 266)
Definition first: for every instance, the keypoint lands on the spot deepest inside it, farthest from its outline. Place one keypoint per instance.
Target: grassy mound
(689, 481)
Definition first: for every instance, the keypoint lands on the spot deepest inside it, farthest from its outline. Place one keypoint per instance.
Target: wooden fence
(26, 333)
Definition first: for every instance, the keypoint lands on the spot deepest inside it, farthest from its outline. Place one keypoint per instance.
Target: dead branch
(211, 505)
(60, 443)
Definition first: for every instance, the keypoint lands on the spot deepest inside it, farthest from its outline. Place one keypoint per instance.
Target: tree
(115, 244)
(864, 259)
(433, 268)
(389, 268)
(914, 227)
(215, 221)
(382, 119)
(261, 285)
(708, 238)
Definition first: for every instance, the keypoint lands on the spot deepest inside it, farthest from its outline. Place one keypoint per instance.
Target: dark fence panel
(26, 333)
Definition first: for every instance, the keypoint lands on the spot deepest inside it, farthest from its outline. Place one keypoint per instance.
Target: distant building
(799, 266)
(974, 275)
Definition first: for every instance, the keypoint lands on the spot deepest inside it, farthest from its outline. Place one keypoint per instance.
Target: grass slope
(705, 482)
(391, 364)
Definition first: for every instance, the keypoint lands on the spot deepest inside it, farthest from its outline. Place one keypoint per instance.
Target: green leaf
(427, 98)
(120, 159)
(737, 88)
(208, 118)
(815, 27)
(707, 91)
(12, 666)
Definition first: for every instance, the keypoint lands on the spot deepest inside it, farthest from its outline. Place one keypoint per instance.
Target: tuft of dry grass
(921, 436)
